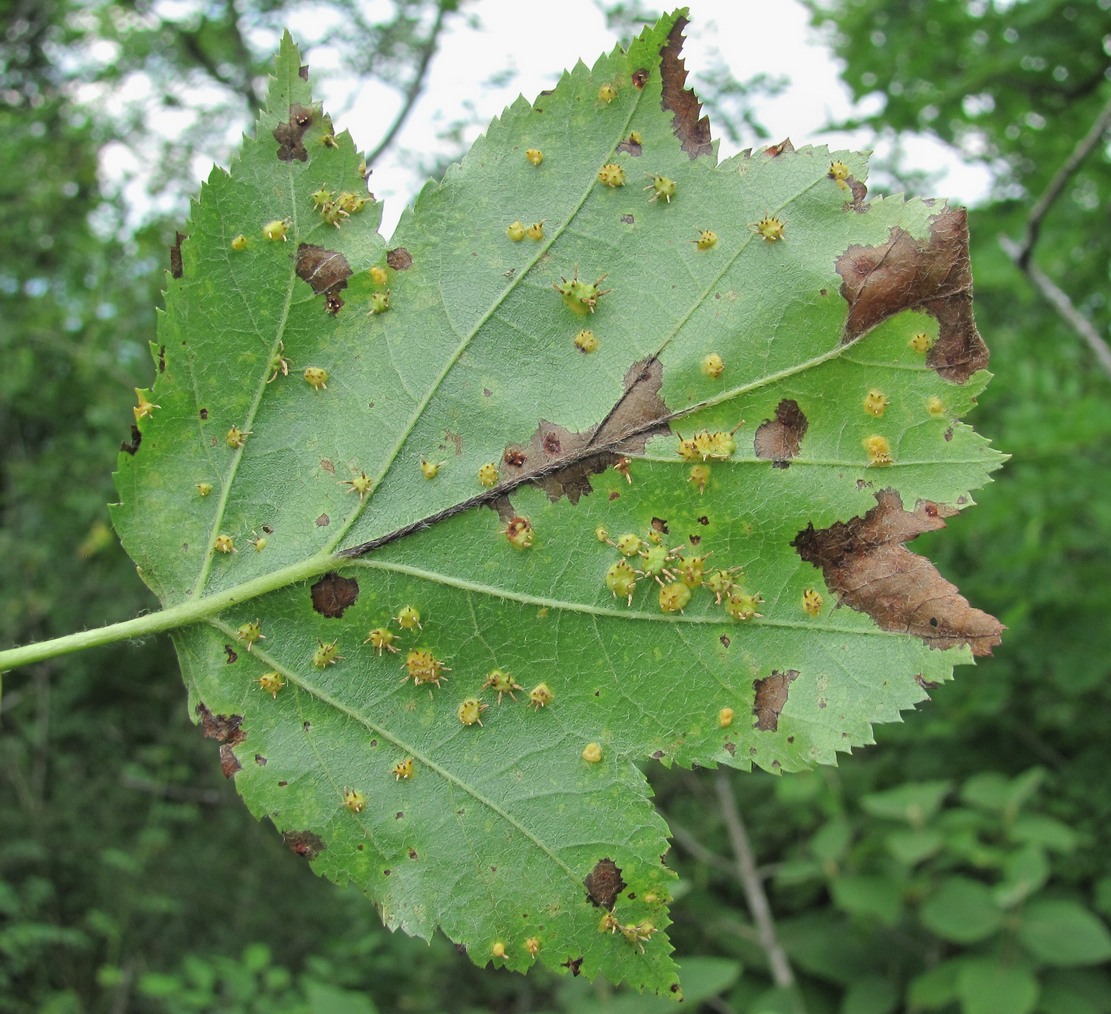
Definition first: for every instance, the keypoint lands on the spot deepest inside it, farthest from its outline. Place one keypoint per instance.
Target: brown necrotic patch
(785, 147)
(561, 462)
(131, 446)
(867, 566)
(175, 256)
(332, 594)
(326, 271)
(780, 439)
(227, 731)
(932, 275)
(634, 148)
(289, 134)
(304, 843)
(399, 259)
(771, 696)
(688, 123)
(603, 884)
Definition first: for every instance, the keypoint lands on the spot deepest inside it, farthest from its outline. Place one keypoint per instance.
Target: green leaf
(874, 897)
(313, 463)
(962, 911)
(987, 987)
(1063, 933)
(914, 802)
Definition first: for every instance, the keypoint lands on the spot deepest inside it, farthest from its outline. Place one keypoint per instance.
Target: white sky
(538, 39)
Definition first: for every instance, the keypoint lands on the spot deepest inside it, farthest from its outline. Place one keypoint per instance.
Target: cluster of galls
(676, 576)
(334, 208)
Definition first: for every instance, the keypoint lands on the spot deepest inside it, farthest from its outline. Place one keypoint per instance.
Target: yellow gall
(769, 228)
(707, 238)
(607, 93)
(379, 275)
(534, 155)
(276, 230)
(725, 717)
(271, 682)
(145, 406)
(497, 949)
(423, 667)
(470, 711)
(635, 137)
(921, 342)
(236, 437)
(361, 484)
(700, 476)
(713, 366)
(250, 633)
(379, 302)
(592, 753)
(223, 544)
(742, 606)
(502, 682)
(326, 654)
(381, 639)
(532, 945)
(674, 598)
(239, 242)
(515, 231)
(879, 451)
(520, 533)
(259, 542)
(586, 342)
(354, 800)
(408, 618)
(811, 602)
(403, 770)
(935, 406)
(488, 475)
(662, 187)
(316, 377)
(601, 533)
(535, 231)
(876, 402)
(839, 172)
(204, 488)
(430, 469)
(540, 696)
(611, 175)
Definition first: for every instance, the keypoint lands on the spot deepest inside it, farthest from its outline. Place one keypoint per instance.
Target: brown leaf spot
(634, 148)
(323, 521)
(933, 275)
(326, 271)
(660, 525)
(162, 359)
(203, 414)
(288, 135)
(222, 728)
(785, 147)
(603, 884)
(628, 220)
(780, 439)
(866, 564)
(332, 594)
(260, 760)
(130, 447)
(175, 256)
(573, 965)
(640, 77)
(229, 763)
(859, 192)
(771, 696)
(304, 843)
(561, 462)
(692, 129)
(231, 653)
(399, 259)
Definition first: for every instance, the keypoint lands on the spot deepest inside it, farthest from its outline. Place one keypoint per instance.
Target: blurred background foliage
(958, 866)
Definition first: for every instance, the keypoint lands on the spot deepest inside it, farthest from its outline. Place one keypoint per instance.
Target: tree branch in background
(1060, 302)
(1021, 254)
(416, 85)
(758, 904)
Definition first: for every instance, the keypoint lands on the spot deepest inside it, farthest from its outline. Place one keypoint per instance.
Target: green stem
(182, 615)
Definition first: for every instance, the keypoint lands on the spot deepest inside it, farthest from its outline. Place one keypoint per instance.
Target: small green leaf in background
(986, 986)
(1063, 933)
(915, 802)
(962, 911)
(611, 453)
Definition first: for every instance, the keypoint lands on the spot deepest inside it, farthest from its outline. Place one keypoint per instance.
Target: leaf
(1063, 933)
(422, 679)
(962, 911)
(986, 986)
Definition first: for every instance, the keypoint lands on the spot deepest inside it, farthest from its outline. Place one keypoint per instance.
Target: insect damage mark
(304, 843)
(692, 129)
(865, 563)
(780, 439)
(933, 275)
(603, 884)
(326, 271)
(561, 462)
(289, 134)
(227, 731)
(399, 259)
(130, 447)
(332, 594)
(771, 696)
(175, 255)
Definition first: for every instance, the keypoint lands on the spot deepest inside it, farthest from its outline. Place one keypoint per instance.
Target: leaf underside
(335, 452)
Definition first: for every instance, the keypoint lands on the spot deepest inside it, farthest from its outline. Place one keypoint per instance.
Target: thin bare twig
(1061, 303)
(758, 904)
(416, 86)
(1082, 150)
